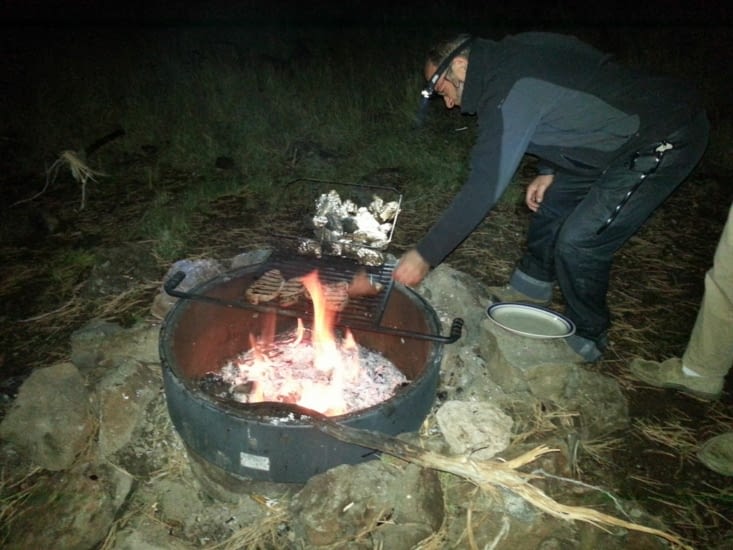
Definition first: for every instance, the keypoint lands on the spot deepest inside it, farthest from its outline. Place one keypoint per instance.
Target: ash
(281, 371)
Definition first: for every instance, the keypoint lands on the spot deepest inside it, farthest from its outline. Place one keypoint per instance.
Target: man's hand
(411, 269)
(536, 191)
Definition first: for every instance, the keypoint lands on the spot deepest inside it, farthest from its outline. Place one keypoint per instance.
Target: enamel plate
(530, 320)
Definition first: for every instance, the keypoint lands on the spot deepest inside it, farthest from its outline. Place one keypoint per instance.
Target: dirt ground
(655, 291)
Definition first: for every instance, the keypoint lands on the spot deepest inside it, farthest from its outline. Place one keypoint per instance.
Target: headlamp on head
(428, 91)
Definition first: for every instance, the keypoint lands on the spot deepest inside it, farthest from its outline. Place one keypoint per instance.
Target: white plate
(530, 320)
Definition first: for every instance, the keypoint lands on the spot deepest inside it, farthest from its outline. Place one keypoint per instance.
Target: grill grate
(364, 313)
(359, 310)
(337, 256)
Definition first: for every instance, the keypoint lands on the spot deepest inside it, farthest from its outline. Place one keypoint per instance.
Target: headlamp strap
(443, 67)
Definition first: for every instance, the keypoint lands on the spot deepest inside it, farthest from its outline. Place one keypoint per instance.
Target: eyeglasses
(450, 80)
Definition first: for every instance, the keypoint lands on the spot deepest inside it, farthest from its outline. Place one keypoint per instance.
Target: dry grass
(719, 420)
(13, 494)
(697, 511)
(672, 434)
(262, 535)
(543, 420)
(601, 450)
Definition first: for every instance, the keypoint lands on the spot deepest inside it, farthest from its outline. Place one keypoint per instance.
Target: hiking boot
(510, 294)
(669, 374)
(717, 454)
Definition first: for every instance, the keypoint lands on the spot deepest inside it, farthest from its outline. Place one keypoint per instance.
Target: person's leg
(586, 243)
(533, 280)
(707, 359)
(560, 200)
(710, 349)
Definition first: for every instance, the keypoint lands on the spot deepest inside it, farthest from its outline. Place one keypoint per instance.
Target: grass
(277, 106)
(255, 102)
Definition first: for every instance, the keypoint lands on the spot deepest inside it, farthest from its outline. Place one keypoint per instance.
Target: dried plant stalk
(79, 171)
(487, 474)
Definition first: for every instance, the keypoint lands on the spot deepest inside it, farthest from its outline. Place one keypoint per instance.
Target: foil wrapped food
(344, 228)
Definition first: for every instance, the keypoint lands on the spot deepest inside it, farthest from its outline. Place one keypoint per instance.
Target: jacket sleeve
(505, 133)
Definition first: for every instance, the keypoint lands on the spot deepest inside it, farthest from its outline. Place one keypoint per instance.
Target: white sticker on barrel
(254, 462)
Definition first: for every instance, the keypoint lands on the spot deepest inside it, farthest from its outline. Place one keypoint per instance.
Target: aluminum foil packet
(348, 225)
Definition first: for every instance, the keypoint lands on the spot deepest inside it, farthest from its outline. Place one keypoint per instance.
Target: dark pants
(563, 242)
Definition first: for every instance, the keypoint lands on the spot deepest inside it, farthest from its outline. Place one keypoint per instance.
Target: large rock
(149, 535)
(552, 373)
(335, 506)
(101, 345)
(475, 429)
(199, 271)
(51, 420)
(196, 272)
(182, 512)
(123, 396)
(464, 373)
(88, 341)
(512, 359)
(74, 510)
(512, 371)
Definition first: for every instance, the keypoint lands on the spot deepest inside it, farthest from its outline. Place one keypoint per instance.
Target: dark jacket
(561, 100)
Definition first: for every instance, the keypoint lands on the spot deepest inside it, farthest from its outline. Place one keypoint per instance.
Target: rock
(512, 359)
(50, 420)
(123, 395)
(150, 535)
(454, 294)
(464, 372)
(139, 342)
(599, 400)
(247, 259)
(336, 505)
(464, 376)
(77, 509)
(492, 364)
(475, 429)
(196, 272)
(100, 346)
(399, 536)
(86, 343)
(180, 515)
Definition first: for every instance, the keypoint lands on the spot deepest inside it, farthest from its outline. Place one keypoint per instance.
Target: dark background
(362, 11)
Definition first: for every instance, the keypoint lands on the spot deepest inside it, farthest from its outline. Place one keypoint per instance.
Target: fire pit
(233, 442)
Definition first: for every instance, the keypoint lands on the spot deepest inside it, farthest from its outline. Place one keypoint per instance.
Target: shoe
(586, 348)
(510, 294)
(717, 454)
(669, 374)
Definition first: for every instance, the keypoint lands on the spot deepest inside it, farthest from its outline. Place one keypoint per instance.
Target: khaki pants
(710, 349)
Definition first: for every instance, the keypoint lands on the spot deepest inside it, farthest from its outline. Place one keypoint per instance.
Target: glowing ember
(312, 368)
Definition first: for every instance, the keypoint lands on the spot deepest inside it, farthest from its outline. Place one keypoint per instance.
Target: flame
(335, 359)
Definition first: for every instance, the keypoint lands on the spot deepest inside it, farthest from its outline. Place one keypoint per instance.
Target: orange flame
(337, 361)
(329, 357)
